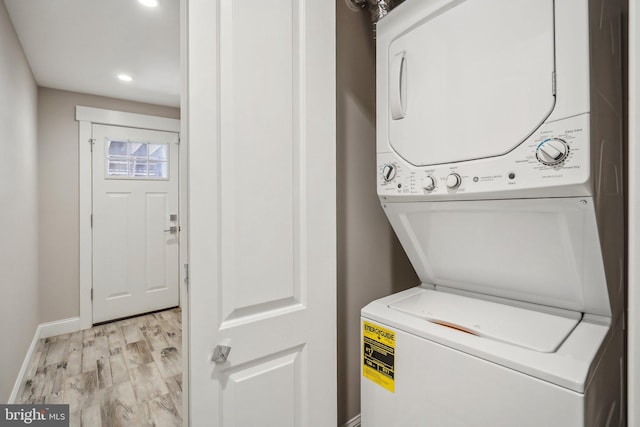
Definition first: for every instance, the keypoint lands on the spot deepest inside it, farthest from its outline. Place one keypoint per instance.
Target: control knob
(453, 181)
(552, 152)
(429, 183)
(388, 172)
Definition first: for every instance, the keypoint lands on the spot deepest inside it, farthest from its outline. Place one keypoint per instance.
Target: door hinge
(186, 276)
(91, 294)
(91, 220)
(553, 83)
(91, 142)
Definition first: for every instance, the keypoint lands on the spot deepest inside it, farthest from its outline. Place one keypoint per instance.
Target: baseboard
(44, 330)
(353, 422)
(25, 366)
(59, 327)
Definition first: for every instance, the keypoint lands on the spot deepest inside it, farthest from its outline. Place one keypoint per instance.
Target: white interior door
(261, 126)
(135, 221)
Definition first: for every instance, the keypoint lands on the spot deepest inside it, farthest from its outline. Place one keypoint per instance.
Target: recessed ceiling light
(149, 3)
(125, 77)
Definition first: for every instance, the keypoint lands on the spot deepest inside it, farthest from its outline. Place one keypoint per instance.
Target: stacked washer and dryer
(500, 169)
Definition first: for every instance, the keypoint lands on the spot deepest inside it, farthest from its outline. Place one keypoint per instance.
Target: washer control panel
(555, 156)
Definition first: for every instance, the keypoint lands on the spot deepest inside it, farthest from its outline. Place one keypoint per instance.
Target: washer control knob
(453, 181)
(552, 152)
(429, 183)
(388, 172)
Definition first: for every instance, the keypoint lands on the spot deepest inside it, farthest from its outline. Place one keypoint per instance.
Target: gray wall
(18, 201)
(371, 262)
(58, 194)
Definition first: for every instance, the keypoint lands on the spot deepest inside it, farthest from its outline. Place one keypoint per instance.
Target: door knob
(220, 354)
(172, 229)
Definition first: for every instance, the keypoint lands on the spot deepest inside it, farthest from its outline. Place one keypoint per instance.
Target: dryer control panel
(552, 162)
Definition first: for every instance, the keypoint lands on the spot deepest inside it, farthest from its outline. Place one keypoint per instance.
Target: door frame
(86, 118)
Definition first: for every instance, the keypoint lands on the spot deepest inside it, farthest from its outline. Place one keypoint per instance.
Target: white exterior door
(135, 222)
(262, 246)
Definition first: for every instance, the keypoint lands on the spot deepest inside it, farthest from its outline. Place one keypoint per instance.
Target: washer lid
(471, 80)
(531, 329)
(541, 251)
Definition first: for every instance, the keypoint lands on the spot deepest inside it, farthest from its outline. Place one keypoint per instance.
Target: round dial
(388, 172)
(552, 152)
(429, 183)
(454, 181)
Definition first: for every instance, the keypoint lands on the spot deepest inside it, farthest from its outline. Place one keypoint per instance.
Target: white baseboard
(59, 327)
(353, 422)
(44, 330)
(25, 366)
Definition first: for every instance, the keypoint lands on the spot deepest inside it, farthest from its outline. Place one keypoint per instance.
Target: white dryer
(500, 169)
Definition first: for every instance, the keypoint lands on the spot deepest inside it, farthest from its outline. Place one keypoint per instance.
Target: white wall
(371, 262)
(18, 206)
(58, 194)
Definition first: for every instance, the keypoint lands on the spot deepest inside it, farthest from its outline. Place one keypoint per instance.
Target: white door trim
(87, 116)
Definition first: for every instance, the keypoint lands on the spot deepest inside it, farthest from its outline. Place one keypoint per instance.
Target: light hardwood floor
(126, 373)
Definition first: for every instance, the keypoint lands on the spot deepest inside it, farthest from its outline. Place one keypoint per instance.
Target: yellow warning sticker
(378, 355)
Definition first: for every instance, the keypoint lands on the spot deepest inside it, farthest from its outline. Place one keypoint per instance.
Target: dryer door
(472, 81)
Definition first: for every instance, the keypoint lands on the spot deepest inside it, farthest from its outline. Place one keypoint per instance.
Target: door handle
(398, 86)
(220, 354)
(172, 229)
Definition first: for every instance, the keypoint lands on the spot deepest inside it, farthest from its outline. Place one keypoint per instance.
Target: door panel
(260, 145)
(471, 81)
(262, 227)
(252, 387)
(135, 260)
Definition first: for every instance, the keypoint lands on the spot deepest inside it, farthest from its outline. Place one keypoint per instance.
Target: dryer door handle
(398, 86)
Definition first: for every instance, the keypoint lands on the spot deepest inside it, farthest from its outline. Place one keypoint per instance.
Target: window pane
(158, 151)
(158, 169)
(139, 168)
(118, 167)
(118, 148)
(139, 149)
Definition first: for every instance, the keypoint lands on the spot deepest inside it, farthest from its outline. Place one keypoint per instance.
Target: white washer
(500, 170)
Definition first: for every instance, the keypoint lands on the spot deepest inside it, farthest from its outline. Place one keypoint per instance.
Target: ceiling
(82, 45)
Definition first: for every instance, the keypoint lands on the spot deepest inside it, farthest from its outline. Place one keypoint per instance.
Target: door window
(136, 160)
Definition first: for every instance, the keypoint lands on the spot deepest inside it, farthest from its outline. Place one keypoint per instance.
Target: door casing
(88, 116)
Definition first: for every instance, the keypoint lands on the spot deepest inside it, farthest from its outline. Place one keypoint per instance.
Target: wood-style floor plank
(124, 373)
(132, 333)
(137, 354)
(88, 357)
(90, 415)
(169, 361)
(74, 354)
(115, 338)
(147, 382)
(119, 371)
(162, 412)
(53, 378)
(154, 334)
(104, 373)
(174, 385)
(119, 407)
(57, 351)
